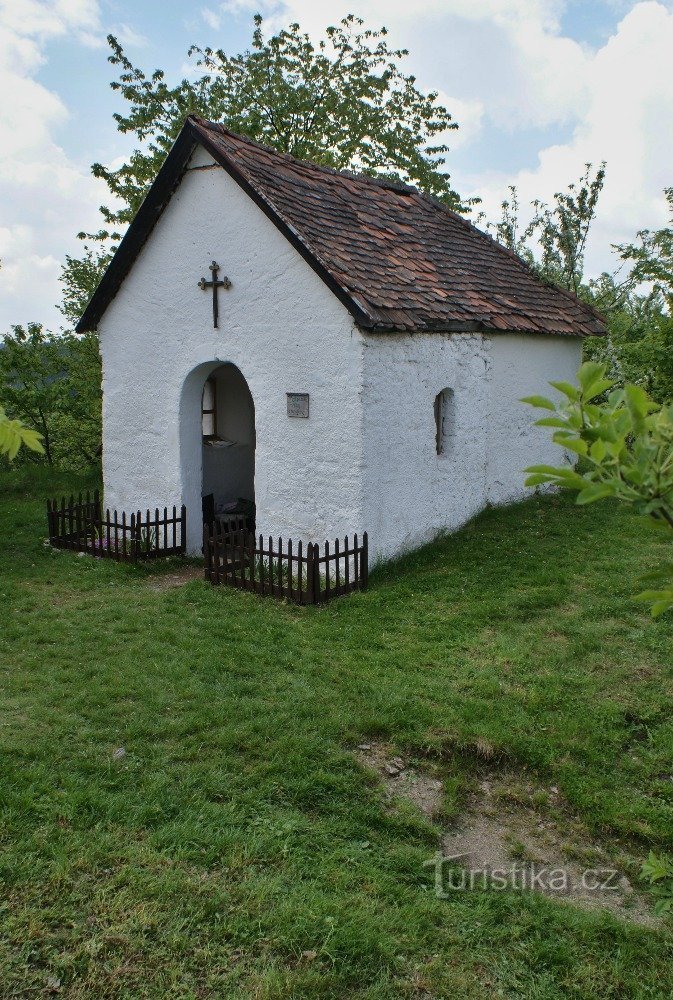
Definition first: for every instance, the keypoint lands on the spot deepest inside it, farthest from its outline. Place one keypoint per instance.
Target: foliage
(638, 347)
(563, 229)
(658, 871)
(342, 102)
(652, 256)
(625, 444)
(53, 385)
(77, 425)
(14, 435)
(510, 231)
(228, 841)
(31, 379)
(80, 277)
(554, 241)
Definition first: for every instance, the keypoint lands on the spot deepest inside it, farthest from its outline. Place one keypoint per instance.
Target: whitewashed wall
(523, 366)
(411, 492)
(366, 457)
(279, 324)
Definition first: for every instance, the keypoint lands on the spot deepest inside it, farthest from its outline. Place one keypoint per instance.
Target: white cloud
(45, 196)
(129, 37)
(469, 116)
(629, 103)
(510, 56)
(212, 19)
(507, 66)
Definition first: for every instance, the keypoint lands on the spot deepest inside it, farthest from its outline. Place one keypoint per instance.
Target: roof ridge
(383, 182)
(404, 188)
(398, 259)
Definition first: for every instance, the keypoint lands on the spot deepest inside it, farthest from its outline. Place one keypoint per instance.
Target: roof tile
(396, 258)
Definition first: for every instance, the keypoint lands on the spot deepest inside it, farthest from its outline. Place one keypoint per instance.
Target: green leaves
(13, 435)
(567, 389)
(625, 443)
(540, 401)
(52, 385)
(658, 872)
(560, 230)
(596, 491)
(652, 256)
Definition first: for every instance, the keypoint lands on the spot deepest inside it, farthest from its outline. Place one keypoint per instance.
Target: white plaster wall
(523, 366)
(366, 457)
(411, 492)
(279, 324)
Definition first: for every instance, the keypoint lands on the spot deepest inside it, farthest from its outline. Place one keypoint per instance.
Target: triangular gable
(398, 260)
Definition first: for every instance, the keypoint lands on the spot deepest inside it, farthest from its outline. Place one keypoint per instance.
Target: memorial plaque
(297, 404)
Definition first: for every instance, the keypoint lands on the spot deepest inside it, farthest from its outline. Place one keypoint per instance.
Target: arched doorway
(227, 444)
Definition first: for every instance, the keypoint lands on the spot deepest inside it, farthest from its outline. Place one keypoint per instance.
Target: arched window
(444, 421)
(209, 409)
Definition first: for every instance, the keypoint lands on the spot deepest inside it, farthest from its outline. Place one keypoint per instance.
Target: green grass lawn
(239, 832)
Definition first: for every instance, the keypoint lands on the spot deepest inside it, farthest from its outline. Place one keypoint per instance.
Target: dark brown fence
(303, 574)
(81, 524)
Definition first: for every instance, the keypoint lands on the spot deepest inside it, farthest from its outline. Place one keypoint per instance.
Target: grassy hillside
(238, 849)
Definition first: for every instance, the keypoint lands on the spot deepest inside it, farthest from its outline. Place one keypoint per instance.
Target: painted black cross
(214, 284)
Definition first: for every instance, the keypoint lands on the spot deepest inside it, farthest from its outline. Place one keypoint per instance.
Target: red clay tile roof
(408, 261)
(399, 260)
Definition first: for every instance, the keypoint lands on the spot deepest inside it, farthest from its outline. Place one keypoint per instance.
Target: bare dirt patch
(515, 830)
(176, 578)
(400, 781)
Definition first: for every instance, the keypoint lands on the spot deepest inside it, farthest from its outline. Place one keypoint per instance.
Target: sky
(538, 87)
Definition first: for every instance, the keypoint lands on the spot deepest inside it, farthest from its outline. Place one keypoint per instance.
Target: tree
(80, 277)
(625, 447)
(53, 385)
(638, 308)
(77, 424)
(510, 231)
(652, 256)
(31, 370)
(342, 102)
(558, 232)
(638, 348)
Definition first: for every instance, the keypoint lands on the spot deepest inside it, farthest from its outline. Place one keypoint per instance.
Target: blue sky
(538, 87)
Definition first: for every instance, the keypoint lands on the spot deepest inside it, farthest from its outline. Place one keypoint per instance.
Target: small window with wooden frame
(444, 421)
(209, 409)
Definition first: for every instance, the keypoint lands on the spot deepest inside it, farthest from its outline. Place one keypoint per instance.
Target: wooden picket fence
(81, 525)
(298, 573)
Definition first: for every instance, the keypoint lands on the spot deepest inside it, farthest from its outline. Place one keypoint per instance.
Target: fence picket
(290, 573)
(251, 558)
(240, 559)
(79, 523)
(327, 578)
(300, 567)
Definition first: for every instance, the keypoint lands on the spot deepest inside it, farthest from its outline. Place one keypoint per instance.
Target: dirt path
(514, 833)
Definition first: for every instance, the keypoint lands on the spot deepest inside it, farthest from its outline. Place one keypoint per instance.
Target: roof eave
(474, 326)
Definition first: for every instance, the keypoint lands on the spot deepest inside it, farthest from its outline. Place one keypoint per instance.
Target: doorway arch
(217, 445)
